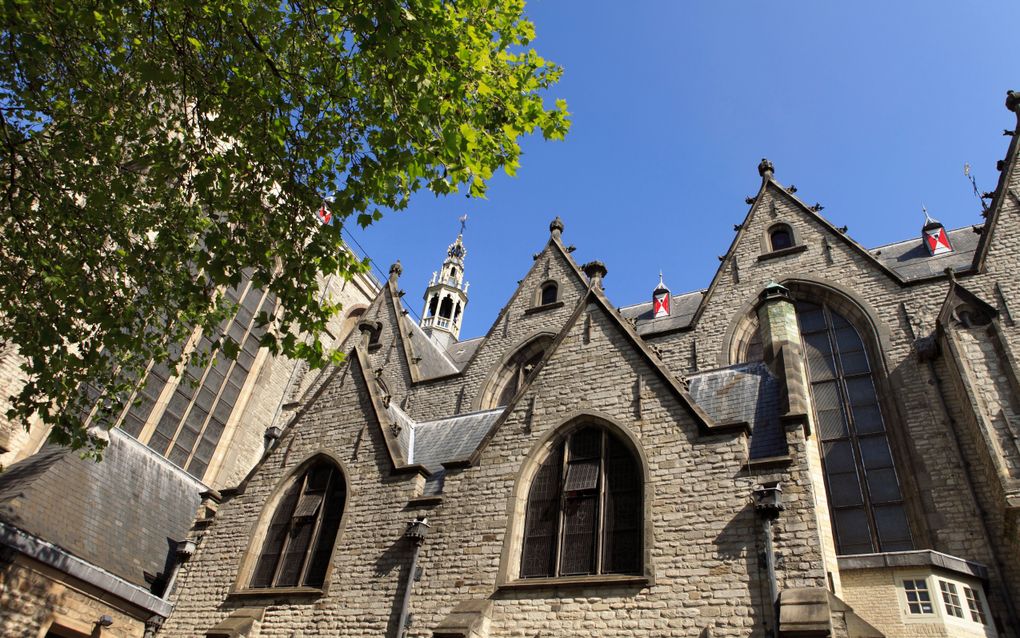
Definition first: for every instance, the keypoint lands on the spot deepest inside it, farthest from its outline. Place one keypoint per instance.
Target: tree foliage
(156, 152)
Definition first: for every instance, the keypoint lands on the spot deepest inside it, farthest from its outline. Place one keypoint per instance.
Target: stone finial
(596, 271)
(1013, 101)
(396, 270)
(556, 227)
(766, 168)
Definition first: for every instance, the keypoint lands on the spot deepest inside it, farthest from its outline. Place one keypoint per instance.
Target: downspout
(768, 503)
(416, 531)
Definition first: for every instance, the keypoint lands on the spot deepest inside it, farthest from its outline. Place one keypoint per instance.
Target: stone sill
(918, 558)
(598, 580)
(543, 308)
(425, 500)
(770, 461)
(783, 252)
(278, 592)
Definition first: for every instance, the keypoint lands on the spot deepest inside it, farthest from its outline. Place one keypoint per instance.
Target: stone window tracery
(584, 511)
(301, 534)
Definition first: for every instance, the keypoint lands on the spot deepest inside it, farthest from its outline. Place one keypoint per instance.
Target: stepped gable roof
(744, 393)
(910, 259)
(54, 495)
(683, 308)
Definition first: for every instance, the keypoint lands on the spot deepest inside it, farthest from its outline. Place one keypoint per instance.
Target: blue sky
(869, 108)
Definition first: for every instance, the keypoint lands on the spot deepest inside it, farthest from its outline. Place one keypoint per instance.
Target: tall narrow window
(584, 512)
(863, 489)
(302, 531)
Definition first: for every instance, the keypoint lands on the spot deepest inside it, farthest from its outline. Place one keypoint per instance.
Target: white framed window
(918, 596)
(975, 604)
(951, 598)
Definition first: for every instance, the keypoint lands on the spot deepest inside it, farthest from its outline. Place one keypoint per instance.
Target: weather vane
(463, 223)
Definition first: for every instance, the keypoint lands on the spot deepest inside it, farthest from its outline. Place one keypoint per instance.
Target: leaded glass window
(303, 529)
(864, 492)
(584, 511)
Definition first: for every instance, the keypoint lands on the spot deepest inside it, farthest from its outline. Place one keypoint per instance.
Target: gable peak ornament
(661, 299)
(936, 240)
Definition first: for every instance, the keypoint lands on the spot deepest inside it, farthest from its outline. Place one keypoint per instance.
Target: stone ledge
(917, 558)
(783, 252)
(599, 580)
(549, 306)
(277, 592)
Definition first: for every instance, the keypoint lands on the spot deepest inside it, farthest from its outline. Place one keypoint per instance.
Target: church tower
(446, 295)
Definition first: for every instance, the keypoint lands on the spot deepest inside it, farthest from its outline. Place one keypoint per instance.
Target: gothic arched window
(861, 482)
(299, 541)
(585, 509)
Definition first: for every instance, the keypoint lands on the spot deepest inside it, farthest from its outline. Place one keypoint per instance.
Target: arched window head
(550, 293)
(780, 237)
(585, 509)
(299, 541)
(433, 305)
(514, 372)
(864, 492)
(446, 308)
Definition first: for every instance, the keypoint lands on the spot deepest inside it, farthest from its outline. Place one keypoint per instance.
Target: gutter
(59, 559)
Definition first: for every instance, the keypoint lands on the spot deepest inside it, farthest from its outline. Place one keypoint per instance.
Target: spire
(934, 235)
(446, 294)
(661, 300)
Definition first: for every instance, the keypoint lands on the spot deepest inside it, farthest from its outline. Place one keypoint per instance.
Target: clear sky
(870, 108)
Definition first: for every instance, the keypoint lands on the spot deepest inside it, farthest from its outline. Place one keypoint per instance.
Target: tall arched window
(300, 538)
(584, 509)
(864, 492)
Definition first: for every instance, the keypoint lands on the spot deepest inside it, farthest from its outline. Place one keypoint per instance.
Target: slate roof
(434, 362)
(683, 308)
(910, 259)
(747, 393)
(462, 351)
(92, 511)
(432, 443)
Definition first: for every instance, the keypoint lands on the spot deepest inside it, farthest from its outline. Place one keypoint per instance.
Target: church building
(825, 441)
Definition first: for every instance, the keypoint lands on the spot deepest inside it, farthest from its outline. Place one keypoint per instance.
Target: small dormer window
(549, 293)
(780, 237)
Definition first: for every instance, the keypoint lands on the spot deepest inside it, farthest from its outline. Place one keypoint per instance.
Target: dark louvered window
(863, 488)
(584, 512)
(302, 531)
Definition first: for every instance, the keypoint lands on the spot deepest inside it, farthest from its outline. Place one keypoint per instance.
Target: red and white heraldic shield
(660, 305)
(938, 241)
